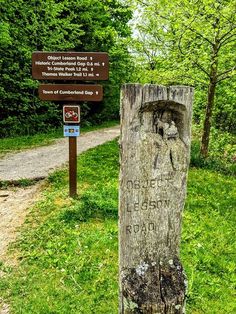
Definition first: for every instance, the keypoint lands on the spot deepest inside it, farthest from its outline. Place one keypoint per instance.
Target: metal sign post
(81, 66)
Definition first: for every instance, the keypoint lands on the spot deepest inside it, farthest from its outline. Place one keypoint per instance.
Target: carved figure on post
(154, 163)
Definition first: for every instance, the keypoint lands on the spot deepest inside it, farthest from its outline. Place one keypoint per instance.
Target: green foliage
(222, 151)
(5, 39)
(68, 252)
(225, 111)
(50, 25)
(190, 42)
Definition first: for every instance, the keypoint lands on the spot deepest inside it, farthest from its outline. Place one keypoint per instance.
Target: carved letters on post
(155, 147)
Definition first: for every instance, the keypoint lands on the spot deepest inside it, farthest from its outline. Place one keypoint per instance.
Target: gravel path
(34, 164)
(39, 162)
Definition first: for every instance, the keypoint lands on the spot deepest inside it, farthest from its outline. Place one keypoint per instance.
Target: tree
(53, 25)
(195, 41)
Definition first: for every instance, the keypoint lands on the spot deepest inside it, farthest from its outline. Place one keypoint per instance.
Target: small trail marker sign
(71, 114)
(71, 130)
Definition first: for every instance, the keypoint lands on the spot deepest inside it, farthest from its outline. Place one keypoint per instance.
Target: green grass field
(68, 250)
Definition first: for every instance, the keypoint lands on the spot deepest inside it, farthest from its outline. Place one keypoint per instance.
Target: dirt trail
(34, 164)
(14, 203)
(39, 162)
(13, 210)
(5, 308)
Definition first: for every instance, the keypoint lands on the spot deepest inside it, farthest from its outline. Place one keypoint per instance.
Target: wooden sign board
(67, 92)
(71, 114)
(81, 66)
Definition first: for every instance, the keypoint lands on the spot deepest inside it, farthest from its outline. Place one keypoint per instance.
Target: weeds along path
(37, 163)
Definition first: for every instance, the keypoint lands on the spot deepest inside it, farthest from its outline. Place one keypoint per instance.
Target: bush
(222, 151)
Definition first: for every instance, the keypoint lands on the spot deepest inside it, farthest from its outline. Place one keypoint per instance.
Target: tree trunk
(207, 121)
(154, 155)
(211, 96)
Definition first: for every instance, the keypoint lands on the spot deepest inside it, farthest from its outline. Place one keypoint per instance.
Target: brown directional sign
(81, 66)
(69, 92)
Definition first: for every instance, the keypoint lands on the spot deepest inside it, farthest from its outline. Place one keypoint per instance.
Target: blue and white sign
(71, 130)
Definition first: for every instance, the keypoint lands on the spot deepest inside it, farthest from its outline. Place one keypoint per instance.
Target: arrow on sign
(97, 74)
(95, 62)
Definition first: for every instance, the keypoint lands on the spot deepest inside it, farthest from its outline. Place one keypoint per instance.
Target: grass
(42, 139)
(24, 142)
(208, 242)
(68, 248)
(19, 183)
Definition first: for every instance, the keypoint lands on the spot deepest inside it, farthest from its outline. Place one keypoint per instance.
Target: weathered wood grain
(154, 156)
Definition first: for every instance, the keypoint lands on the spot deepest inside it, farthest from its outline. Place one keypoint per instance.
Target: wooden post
(155, 148)
(72, 166)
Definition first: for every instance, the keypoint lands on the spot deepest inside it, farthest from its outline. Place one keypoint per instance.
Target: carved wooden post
(155, 148)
